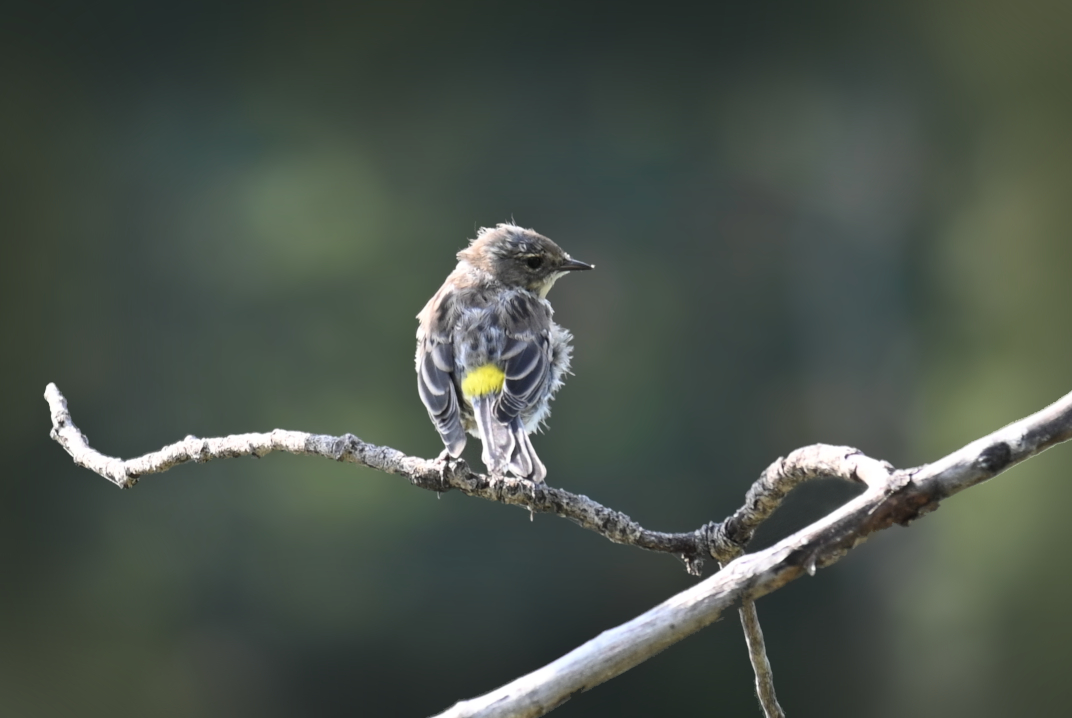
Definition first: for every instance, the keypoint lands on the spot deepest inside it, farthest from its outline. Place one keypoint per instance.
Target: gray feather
(498, 441)
(525, 462)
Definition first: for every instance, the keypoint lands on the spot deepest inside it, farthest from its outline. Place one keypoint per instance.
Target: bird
(489, 357)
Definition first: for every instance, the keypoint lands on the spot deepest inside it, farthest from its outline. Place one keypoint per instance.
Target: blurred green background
(812, 221)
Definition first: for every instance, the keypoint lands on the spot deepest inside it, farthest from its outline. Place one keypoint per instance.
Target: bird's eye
(534, 262)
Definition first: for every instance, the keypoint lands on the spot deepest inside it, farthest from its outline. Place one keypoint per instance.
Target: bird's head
(519, 257)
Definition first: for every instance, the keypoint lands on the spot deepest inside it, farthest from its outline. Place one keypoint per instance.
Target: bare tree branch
(891, 497)
(902, 497)
(434, 475)
(723, 541)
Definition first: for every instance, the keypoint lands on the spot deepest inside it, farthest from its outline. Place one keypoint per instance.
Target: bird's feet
(448, 465)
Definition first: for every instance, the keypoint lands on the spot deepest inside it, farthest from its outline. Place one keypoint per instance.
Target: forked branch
(902, 497)
(891, 497)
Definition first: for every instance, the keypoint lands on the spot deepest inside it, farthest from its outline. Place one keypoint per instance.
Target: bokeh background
(812, 221)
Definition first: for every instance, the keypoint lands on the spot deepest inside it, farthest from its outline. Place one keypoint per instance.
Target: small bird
(489, 358)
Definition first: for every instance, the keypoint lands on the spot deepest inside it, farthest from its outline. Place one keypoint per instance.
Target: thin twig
(757, 653)
(730, 538)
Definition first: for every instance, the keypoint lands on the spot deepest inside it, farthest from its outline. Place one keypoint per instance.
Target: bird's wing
(436, 386)
(526, 357)
(435, 376)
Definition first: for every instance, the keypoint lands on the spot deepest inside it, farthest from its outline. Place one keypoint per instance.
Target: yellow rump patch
(483, 380)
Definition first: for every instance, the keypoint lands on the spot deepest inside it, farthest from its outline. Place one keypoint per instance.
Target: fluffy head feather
(518, 257)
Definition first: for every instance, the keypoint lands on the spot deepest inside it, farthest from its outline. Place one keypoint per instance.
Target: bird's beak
(571, 265)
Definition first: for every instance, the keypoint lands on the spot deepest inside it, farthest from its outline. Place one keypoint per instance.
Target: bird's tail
(506, 447)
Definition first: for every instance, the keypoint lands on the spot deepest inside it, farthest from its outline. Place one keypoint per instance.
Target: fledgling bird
(489, 358)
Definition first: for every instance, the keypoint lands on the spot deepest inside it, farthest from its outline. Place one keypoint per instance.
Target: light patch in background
(308, 209)
(313, 212)
(979, 611)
